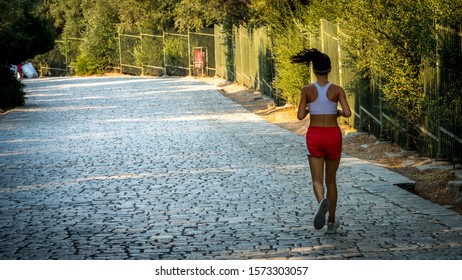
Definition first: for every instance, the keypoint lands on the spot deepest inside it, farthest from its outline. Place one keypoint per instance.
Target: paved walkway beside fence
(168, 168)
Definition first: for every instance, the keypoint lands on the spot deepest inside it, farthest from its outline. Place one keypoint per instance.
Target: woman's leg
(331, 185)
(317, 176)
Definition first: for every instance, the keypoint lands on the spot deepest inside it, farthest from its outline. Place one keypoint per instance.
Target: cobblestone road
(168, 168)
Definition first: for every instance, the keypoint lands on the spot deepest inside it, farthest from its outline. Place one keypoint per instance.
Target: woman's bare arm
(303, 104)
(346, 111)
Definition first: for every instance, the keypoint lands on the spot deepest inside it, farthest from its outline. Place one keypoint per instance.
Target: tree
(93, 27)
(390, 41)
(23, 35)
(448, 103)
(147, 15)
(195, 14)
(293, 25)
(99, 47)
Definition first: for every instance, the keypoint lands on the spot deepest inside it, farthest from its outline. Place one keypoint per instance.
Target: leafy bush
(87, 66)
(100, 44)
(11, 92)
(22, 36)
(176, 54)
(291, 77)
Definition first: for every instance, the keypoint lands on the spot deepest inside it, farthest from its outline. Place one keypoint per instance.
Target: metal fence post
(382, 135)
(66, 49)
(141, 47)
(438, 104)
(163, 50)
(189, 53)
(120, 54)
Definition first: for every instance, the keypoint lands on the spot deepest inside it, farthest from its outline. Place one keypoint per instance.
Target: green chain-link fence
(170, 53)
(61, 60)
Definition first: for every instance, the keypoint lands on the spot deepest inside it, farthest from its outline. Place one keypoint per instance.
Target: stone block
(455, 186)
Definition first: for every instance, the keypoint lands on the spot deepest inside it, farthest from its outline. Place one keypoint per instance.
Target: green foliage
(447, 12)
(282, 18)
(447, 105)
(87, 66)
(292, 24)
(195, 14)
(146, 15)
(99, 48)
(176, 52)
(89, 29)
(23, 35)
(11, 92)
(388, 41)
(291, 77)
(149, 51)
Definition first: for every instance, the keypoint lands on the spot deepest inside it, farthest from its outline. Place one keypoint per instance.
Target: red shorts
(324, 142)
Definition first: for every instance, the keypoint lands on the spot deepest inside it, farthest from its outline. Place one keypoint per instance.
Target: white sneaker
(332, 227)
(320, 218)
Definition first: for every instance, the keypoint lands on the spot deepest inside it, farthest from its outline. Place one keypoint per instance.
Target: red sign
(199, 58)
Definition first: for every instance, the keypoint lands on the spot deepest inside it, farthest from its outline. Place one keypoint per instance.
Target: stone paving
(168, 168)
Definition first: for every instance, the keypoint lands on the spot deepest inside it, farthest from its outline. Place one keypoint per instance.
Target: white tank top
(322, 105)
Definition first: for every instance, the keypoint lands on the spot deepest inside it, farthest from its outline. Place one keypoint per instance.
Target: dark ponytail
(321, 62)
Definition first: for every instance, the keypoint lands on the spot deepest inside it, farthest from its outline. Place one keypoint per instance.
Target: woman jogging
(323, 138)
